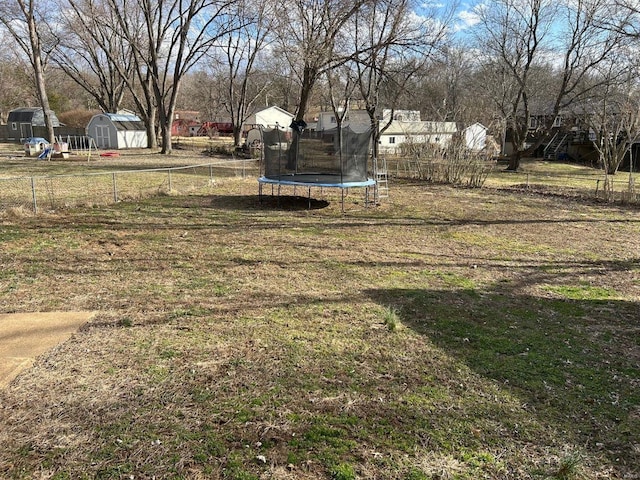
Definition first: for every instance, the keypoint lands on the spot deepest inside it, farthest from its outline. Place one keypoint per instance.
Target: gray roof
(33, 115)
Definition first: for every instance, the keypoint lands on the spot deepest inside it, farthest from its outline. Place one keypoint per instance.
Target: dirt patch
(24, 336)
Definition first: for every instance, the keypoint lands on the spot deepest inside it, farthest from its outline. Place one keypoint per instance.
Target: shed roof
(32, 115)
(125, 121)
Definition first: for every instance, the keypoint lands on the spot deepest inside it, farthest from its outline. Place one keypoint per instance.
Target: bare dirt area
(446, 333)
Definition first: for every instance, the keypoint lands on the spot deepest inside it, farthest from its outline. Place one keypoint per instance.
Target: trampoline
(336, 158)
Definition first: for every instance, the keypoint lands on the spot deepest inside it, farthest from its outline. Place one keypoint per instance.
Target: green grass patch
(583, 292)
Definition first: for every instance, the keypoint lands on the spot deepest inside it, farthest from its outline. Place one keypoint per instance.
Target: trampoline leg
(342, 190)
(309, 198)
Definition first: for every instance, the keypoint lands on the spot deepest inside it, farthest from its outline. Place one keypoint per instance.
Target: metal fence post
(33, 195)
(170, 185)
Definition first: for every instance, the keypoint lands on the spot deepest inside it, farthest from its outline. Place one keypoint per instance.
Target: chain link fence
(46, 193)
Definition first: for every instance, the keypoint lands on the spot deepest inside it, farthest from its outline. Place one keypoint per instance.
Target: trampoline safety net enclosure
(331, 158)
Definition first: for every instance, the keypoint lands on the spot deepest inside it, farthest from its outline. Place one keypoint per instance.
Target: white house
(353, 118)
(399, 132)
(475, 137)
(117, 130)
(270, 117)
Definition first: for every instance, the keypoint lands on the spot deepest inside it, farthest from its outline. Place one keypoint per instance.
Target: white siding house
(270, 117)
(399, 132)
(117, 131)
(356, 119)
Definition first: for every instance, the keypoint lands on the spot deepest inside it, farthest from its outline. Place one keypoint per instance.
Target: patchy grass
(241, 340)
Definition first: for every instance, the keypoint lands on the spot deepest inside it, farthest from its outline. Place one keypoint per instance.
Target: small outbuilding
(117, 131)
(27, 122)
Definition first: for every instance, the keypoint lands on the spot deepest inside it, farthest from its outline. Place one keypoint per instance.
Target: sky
(465, 15)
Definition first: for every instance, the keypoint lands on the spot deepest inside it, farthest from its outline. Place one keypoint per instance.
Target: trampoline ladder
(382, 183)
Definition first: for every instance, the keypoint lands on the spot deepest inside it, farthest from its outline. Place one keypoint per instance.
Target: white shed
(270, 117)
(399, 132)
(475, 137)
(117, 131)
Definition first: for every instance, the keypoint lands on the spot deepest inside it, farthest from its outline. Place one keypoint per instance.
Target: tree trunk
(237, 135)
(308, 81)
(514, 161)
(39, 76)
(150, 125)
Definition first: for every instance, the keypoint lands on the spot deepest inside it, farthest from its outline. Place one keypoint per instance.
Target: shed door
(103, 139)
(26, 130)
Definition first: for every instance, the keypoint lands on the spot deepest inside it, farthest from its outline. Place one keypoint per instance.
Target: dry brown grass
(231, 331)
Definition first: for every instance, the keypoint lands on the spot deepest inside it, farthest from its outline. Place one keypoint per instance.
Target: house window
(333, 120)
(557, 121)
(392, 140)
(533, 122)
(14, 126)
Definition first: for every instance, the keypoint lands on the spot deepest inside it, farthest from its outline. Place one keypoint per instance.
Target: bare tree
(625, 18)
(15, 79)
(94, 53)
(176, 35)
(613, 115)
(26, 21)
(519, 36)
(314, 39)
(241, 49)
(393, 46)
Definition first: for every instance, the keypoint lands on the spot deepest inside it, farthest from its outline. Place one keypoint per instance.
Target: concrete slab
(25, 336)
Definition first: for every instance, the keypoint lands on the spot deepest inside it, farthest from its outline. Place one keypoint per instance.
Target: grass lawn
(448, 333)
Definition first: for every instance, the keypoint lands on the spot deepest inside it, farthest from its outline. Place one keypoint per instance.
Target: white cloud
(469, 16)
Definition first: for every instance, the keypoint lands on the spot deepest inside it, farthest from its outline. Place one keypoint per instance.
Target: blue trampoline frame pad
(308, 180)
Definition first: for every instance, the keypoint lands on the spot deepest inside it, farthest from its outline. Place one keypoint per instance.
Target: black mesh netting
(331, 156)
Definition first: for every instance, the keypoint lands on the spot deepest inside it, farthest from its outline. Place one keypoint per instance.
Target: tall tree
(394, 45)
(240, 51)
(518, 36)
(27, 22)
(612, 113)
(314, 38)
(176, 35)
(93, 52)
